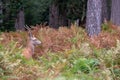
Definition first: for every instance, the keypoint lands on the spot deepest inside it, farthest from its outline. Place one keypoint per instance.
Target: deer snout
(36, 42)
(39, 42)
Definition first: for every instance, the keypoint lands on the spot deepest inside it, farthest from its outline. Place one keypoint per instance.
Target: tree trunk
(93, 19)
(54, 16)
(57, 19)
(106, 10)
(1, 12)
(115, 12)
(63, 21)
(6, 11)
(20, 21)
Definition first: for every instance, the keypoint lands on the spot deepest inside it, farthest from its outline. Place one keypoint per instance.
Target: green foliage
(82, 62)
(11, 8)
(8, 60)
(37, 11)
(76, 9)
(85, 65)
(117, 73)
(105, 26)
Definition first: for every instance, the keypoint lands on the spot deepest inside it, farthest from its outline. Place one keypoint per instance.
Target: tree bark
(63, 21)
(115, 12)
(1, 12)
(20, 21)
(54, 16)
(93, 19)
(6, 11)
(106, 10)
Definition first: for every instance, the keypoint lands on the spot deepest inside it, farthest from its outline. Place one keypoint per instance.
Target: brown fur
(29, 50)
(27, 53)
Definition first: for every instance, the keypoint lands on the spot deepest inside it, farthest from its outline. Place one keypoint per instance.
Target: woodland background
(80, 39)
(41, 11)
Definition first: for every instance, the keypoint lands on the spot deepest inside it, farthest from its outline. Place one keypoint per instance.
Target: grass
(65, 54)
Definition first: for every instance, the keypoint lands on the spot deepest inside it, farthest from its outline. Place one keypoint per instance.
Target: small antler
(29, 31)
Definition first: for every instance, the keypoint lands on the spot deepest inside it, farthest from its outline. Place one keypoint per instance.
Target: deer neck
(31, 46)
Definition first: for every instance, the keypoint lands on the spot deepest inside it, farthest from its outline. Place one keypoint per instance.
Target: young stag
(31, 43)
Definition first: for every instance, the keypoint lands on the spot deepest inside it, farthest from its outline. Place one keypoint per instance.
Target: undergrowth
(65, 54)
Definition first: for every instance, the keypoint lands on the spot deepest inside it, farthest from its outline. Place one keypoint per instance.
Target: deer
(32, 41)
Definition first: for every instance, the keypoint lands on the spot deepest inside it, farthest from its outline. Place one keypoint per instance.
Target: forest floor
(65, 54)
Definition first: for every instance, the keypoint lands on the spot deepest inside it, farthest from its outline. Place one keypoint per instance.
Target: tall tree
(93, 19)
(63, 20)
(1, 12)
(20, 20)
(54, 15)
(106, 10)
(8, 22)
(58, 14)
(115, 12)
(11, 11)
(76, 10)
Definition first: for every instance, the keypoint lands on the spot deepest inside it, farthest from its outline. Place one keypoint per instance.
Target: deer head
(32, 42)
